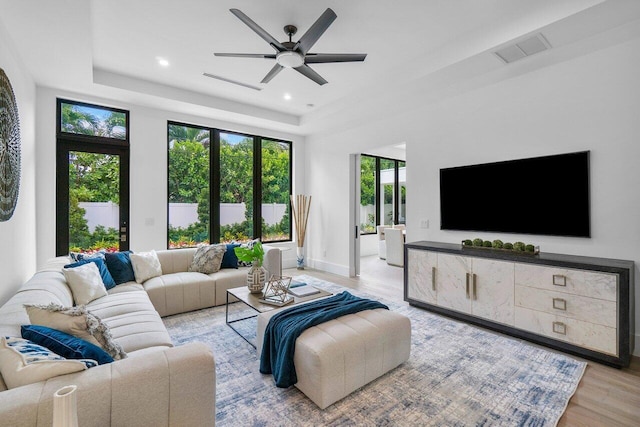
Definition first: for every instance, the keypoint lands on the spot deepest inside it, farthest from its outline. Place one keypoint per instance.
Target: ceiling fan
(296, 55)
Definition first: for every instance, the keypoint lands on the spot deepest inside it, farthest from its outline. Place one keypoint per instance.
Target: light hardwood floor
(606, 397)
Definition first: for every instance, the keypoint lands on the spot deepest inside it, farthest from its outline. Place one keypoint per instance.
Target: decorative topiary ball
(478, 242)
(486, 243)
(530, 248)
(467, 242)
(519, 246)
(497, 244)
(508, 245)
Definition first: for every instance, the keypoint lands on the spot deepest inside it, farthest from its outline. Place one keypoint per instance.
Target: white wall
(18, 234)
(590, 102)
(148, 171)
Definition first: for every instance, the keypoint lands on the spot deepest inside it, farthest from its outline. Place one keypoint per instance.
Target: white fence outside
(180, 214)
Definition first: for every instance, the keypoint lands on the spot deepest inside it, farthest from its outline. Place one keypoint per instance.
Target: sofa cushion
(23, 362)
(71, 319)
(102, 268)
(181, 292)
(175, 260)
(132, 320)
(65, 345)
(208, 259)
(145, 265)
(227, 279)
(85, 282)
(119, 265)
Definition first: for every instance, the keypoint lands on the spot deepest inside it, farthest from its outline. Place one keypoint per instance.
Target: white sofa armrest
(272, 260)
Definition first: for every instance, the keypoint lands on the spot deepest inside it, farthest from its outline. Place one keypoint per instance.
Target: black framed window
(382, 192)
(92, 178)
(226, 186)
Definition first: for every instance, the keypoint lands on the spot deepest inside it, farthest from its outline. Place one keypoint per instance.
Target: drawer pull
(560, 328)
(559, 280)
(433, 278)
(467, 285)
(560, 304)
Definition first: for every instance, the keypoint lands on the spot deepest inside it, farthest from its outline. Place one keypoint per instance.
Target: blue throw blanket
(285, 327)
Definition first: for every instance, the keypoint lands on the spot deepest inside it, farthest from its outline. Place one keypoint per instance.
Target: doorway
(92, 178)
(378, 198)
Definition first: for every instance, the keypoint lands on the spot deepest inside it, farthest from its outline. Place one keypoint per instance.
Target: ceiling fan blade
(315, 31)
(258, 30)
(247, 55)
(272, 73)
(305, 70)
(318, 58)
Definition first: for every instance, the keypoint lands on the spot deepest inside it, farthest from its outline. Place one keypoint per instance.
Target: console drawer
(592, 284)
(584, 334)
(577, 307)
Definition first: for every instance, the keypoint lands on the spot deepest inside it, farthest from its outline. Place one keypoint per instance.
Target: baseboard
(328, 267)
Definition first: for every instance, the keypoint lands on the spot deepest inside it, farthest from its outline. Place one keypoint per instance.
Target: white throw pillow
(54, 316)
(85, 283)
(145, 265)
(23, 362)
(76, 321)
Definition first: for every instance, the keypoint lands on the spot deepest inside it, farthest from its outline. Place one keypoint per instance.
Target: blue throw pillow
(107, 279)
(119, 265)
(230, 260)
(64, 345)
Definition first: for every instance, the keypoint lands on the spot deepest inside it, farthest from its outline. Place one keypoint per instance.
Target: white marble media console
(572, 303)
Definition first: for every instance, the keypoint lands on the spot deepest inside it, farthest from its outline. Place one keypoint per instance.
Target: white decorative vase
(256, 277)
(65, 409)
(300, 257)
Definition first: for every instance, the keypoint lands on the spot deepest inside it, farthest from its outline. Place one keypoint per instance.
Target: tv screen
(542, 195)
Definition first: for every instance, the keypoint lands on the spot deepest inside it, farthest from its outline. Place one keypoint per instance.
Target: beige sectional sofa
(157, 384)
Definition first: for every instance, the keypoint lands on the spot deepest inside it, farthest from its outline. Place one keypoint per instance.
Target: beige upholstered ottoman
(337, 357)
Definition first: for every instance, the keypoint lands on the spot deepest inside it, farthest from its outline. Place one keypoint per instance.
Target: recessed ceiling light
(287, 96)
(163, 62)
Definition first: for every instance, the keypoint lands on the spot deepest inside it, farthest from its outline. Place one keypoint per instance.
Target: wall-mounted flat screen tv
(542, 196)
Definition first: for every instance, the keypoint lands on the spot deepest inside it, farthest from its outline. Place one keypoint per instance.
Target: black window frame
(214, 180)
(69, 141)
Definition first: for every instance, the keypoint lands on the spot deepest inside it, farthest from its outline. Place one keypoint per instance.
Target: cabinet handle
(475, 295)
(433, 278)
(560, 304)
(467, 285)
(560, 328)
(559, 280)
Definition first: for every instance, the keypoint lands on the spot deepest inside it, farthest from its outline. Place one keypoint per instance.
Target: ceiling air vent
(524, 48)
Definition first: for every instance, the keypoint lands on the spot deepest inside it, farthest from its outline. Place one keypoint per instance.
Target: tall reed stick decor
(300, 207)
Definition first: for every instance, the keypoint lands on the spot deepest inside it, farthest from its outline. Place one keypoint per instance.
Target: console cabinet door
(453, 280)
(422, 268)
(492, 290)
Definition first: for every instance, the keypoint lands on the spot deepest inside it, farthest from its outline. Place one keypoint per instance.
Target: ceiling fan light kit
(296, 55)
(289, 59)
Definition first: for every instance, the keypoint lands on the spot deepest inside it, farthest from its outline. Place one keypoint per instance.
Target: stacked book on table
(301, 289)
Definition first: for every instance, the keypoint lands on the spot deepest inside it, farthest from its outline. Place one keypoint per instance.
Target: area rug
(457, 375)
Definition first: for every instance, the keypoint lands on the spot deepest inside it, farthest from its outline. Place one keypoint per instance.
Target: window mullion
(214, 188)
(257, 187)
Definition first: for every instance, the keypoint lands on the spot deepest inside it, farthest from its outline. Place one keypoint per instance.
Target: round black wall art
(9, 149)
